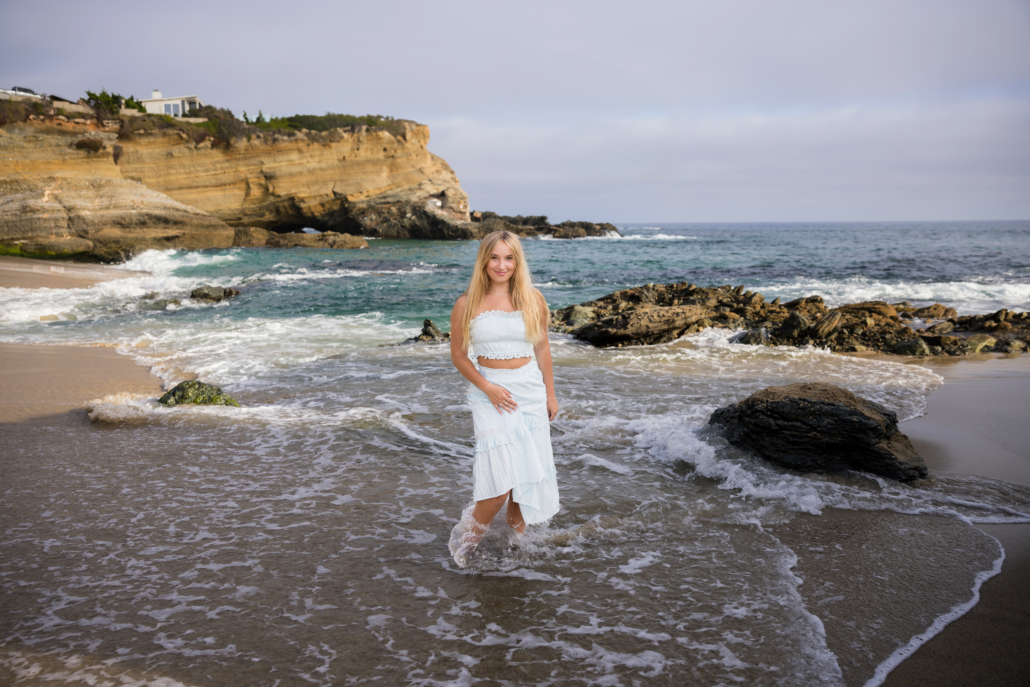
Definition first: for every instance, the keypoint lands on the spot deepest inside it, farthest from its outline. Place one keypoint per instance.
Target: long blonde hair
(520, 287)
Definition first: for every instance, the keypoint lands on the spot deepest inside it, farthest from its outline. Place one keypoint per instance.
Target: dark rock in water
(754, 337)
(645, 326)
(654, 313)
(537, 225)
(793, 326)
(820, 427)
(916, 347)
(213, 293)
(197, 393)
(430, 334)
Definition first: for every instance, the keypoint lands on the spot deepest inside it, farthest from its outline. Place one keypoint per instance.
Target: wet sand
(26, 273)
(977, 424)
(38, 381)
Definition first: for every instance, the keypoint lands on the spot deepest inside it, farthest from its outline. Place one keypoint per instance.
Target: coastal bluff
(63, 181)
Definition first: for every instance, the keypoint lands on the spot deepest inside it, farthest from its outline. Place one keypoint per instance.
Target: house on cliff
(176, 107)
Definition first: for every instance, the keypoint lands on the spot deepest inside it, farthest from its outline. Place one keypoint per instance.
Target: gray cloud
(674, 111)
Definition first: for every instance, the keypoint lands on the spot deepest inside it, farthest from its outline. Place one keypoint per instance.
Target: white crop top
(500, 335)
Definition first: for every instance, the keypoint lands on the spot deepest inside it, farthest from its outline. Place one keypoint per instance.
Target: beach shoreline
(29, 273)
(975, 425)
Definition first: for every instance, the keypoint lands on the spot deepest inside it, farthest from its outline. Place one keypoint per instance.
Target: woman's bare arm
(498, 395)
(543, 359)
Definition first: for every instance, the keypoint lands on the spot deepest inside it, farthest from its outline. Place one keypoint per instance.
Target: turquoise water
(303, 538)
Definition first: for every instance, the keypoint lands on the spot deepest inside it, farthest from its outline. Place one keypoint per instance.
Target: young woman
(511, 393)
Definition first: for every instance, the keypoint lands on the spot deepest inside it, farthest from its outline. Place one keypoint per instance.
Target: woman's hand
(552, 408)
(501, 398)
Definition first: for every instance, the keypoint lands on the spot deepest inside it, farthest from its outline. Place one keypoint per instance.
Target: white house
(176, 107)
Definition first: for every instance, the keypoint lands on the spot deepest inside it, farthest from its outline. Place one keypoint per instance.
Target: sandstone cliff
(281, 182)
(98, 218)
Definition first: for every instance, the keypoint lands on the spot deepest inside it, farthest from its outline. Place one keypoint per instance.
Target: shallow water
(302, 539)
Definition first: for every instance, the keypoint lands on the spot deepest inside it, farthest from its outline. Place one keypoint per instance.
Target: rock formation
(358, 181)
(537, 225)
(197, 393)
(656, 313)
(821, 427)
(214, 294)
(100, 218)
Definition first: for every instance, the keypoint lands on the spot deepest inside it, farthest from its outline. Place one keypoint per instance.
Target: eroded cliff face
(351, 181)
(320, 180)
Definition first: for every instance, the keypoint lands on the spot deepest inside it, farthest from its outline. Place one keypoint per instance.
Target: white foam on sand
(895, 659)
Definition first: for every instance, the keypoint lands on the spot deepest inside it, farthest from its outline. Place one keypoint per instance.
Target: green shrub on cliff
(109, 105)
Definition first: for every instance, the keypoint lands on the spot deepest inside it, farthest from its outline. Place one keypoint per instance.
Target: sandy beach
(26, 273)
(975, 424)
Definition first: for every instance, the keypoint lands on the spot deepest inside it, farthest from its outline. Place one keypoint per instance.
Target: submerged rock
(821, 427)
(213, 293)
(431, 334)
(197, 393)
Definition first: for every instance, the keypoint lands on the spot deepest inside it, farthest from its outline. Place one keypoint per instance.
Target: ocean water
(302, 539)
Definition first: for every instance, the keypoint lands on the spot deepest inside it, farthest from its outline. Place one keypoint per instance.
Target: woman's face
(501, 264)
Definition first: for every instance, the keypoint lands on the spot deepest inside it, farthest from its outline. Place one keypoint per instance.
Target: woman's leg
(465, 536)
(487, 509)
(514, 517)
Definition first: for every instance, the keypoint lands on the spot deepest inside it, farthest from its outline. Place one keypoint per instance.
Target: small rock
(213, 293)
(940, 328)
(579, 316)
(752, 337)
(197, 393)
(916, 347)
(826, 325)
(792, 326)
(980, 341)
(430, 334)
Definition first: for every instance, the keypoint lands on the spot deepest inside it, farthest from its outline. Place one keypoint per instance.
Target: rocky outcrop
(361, 180)
(197, 393)
(656, 313)
(537, 225)
(100, 218)
(821, 427)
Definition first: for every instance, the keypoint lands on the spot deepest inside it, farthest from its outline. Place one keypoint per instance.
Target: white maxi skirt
(513, 449)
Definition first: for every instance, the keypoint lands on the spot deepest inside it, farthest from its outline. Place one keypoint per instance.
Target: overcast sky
(682, 111)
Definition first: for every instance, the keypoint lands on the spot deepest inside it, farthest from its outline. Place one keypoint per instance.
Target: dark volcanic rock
(197, 393)
(537, 225)
(213, 293)
(821, 427)
(430, 334)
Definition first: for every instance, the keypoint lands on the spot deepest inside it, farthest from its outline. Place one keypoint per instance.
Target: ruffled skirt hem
(513, 450)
